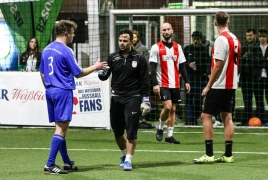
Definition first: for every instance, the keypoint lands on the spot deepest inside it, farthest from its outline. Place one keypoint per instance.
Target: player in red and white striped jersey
(220, 89)
(167, 63)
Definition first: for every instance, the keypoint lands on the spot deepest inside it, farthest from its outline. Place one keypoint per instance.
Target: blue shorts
(59, 104)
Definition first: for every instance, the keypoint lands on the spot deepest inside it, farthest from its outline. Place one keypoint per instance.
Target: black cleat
(70, 167)
(159, 134)
(54, 169)
(171, 140)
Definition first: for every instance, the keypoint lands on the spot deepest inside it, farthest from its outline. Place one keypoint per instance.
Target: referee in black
(130, 87)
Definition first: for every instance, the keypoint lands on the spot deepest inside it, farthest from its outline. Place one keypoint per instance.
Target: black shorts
(124, 115)
(219, 100)
(172, 94)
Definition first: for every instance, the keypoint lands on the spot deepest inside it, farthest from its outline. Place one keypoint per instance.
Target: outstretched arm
(97, 66)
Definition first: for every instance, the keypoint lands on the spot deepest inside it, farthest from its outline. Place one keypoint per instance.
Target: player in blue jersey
(58, 69)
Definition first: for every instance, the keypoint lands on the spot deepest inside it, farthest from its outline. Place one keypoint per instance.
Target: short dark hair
(222, 18)
(64, 25)
(197, 33)
(251, 29)
(263, 31)
(126, 31)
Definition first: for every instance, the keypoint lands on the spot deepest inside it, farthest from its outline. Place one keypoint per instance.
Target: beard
(167, 38)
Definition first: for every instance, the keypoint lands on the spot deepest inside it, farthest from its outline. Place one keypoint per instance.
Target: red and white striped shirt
(168, 60)
(227, 48)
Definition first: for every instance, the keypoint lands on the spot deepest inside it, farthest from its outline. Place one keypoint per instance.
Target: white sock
(170, 131)
(124, 152)
(161, 124)
(128, 158)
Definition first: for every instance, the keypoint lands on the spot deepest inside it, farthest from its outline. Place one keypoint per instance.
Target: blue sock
(64, 154)
(54, 148)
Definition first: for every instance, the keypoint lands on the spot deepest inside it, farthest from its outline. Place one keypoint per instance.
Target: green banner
(27, 19)
(45, 15)
(18, 18)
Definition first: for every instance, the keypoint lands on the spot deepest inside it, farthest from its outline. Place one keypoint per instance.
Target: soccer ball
(254, 121)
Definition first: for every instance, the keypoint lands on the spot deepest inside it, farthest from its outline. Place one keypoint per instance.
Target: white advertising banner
(23, 101)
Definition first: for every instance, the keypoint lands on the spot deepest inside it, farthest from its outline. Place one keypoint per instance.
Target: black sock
(209, 147)
(228, 148)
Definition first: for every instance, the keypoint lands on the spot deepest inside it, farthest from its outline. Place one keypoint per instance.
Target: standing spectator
(167, 63)
(58, 68)
(130, 87)
(107, 5)
(263, 37)
(220, 89)
(30, 59)
(250, 77)
(140, 48)
(197, 58)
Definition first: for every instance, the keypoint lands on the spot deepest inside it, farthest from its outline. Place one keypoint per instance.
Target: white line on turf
(149, 151)
(244, 133)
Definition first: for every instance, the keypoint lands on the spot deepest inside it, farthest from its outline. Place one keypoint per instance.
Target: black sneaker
(171, 140)
(71, 167)
(159, 134)
(54, 169)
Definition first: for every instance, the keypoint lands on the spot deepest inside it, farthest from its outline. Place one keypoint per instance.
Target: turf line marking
(244, 133)
(149, 151)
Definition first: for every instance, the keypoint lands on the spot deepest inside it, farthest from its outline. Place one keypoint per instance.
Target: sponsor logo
(3, 94)
(16, 14)
(134, 64)
(44, 16)
(169, 58)
(26, 95)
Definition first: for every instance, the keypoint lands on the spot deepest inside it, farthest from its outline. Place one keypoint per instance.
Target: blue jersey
(59, 66)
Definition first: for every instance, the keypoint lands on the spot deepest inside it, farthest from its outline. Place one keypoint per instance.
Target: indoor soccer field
(23, 153)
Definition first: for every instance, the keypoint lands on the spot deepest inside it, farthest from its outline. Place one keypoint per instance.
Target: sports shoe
(54, 169)
(223, 159)
(171, 140)
(70, 167)
(159, 134)
(127, 166)
(122, 161)
(217, 123)
(204, 160)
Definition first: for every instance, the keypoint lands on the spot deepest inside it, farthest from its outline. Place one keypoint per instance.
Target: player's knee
(167, 108)
(206, 116)
(131, 137)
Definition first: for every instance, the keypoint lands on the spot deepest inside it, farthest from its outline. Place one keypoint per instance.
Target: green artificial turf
(23, 154)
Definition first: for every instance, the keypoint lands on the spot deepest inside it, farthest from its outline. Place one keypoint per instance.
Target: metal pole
(181, 12)
(131, 22)
(112, 32)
